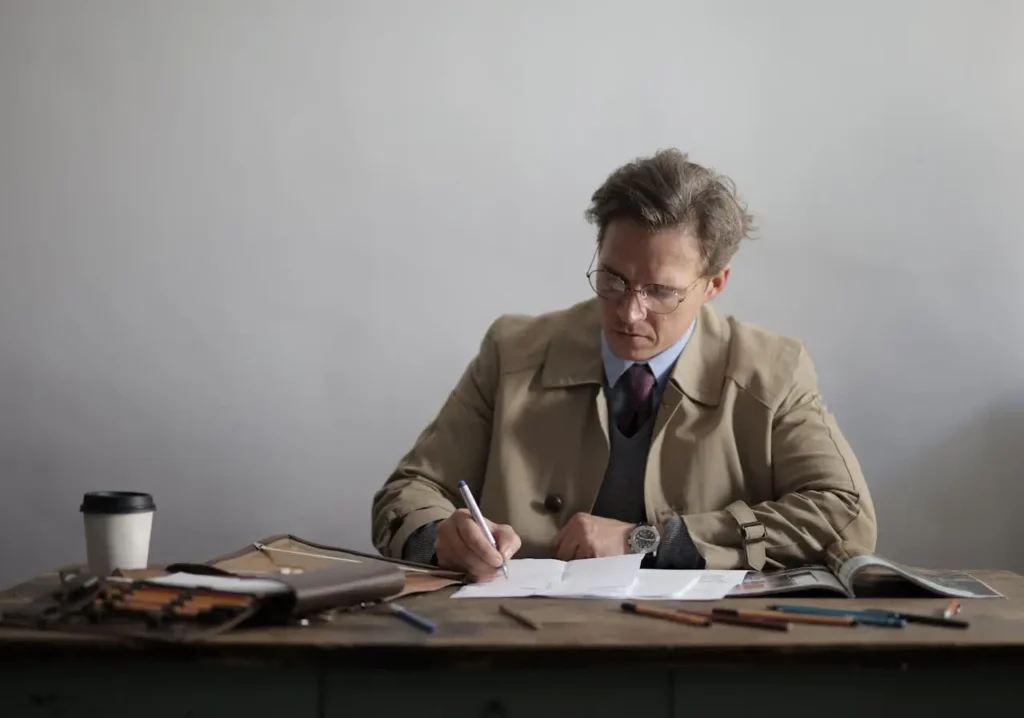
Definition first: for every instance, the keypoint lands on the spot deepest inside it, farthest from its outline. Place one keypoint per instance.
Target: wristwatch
(644, 539)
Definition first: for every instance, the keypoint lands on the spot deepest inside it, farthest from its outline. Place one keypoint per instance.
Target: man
(640, 420)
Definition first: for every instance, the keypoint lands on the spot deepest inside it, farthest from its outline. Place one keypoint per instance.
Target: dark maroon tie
(639, 388)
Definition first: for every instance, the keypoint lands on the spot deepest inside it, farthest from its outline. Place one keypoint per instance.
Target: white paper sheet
(649, 585)
(611, 577)
(597, 576)
(658, 584)
(221, 583)
(526, 577)
(712, 585)
(617, 577)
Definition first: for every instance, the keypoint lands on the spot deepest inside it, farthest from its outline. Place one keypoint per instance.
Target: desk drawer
(470, 693)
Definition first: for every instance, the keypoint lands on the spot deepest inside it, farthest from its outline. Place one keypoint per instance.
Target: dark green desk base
(111, 687)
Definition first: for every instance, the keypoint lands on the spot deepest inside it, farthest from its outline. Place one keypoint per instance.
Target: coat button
(553, 503)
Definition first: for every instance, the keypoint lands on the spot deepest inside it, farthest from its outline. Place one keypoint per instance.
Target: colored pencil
(686, 617)
(517, 616)
(769, 624)
(865, 617)
(787, 617)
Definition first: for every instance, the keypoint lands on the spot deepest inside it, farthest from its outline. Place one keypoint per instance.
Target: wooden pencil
(517, 616)
(687, 617)
(765, 623)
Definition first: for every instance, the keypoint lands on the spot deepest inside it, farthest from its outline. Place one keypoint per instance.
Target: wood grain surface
(595, 627)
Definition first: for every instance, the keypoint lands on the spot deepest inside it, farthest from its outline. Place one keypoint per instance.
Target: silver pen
(467, 497)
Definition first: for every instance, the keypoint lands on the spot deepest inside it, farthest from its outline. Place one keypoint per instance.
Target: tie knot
(641, 381)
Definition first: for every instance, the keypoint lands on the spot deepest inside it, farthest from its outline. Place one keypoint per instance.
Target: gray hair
(668, 191)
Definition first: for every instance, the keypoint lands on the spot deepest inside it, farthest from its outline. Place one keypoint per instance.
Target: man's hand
(463, 546)
(587, 536)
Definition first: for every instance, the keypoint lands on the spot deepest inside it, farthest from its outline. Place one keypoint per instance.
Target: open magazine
(853, 572)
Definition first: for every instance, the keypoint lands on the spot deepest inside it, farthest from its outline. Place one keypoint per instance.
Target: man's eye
(658, 292)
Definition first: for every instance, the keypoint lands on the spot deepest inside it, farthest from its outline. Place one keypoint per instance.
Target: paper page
(526, 577)
(650, 584)
(597, 577)
(584, 578)
(789, 581)
(659, 584)
(618, 577)
(943, 583)
(221, 583)
(713, 585)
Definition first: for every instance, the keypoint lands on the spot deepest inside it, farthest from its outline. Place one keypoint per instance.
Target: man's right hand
(463, 546)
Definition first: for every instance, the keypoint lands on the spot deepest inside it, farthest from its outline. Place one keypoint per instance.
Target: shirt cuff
(420, 546)
(677, 550)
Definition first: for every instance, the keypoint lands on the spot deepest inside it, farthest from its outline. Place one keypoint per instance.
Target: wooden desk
(590, 659)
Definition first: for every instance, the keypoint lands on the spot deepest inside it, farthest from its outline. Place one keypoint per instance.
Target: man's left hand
(587, 536)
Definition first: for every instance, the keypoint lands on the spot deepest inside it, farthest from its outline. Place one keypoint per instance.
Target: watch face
(645, 538)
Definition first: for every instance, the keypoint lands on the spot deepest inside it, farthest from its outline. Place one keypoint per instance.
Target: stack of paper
(612, 577)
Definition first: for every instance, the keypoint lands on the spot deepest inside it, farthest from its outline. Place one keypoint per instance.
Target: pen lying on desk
(413, 619)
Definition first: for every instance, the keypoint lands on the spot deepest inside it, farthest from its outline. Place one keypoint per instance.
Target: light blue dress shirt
(661, 364)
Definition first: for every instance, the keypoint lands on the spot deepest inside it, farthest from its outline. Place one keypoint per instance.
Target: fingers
(508, 540)
(462, 545)
(567, 542)
(475, 540)
(485, 577)
(567, 550)
(453, 554)
(573, 540)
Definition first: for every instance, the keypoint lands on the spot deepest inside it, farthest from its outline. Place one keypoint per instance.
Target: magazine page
(805, 579)
(956, 584)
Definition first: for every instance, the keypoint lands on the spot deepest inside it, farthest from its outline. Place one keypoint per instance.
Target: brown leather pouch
(336, 587)
(198, 607)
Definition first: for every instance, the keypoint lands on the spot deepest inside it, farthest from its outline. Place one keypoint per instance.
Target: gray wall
(246, 248)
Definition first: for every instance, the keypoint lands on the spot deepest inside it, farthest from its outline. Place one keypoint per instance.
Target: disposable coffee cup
(118, 525)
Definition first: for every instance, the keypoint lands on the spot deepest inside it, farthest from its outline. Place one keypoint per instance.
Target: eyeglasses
(656, 297)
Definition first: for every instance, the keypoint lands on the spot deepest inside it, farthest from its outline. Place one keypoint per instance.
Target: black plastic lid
(117, 502)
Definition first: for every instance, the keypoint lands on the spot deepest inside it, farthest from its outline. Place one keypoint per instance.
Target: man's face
(667, 263)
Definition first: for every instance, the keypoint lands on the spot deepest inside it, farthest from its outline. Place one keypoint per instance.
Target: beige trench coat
(743, 447)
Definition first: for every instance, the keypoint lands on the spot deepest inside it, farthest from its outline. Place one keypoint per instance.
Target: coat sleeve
(820, 495)
(453, 447)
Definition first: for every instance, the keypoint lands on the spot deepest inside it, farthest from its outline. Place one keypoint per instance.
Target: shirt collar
(660, 364)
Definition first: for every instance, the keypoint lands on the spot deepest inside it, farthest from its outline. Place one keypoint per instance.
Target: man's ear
(716, 284)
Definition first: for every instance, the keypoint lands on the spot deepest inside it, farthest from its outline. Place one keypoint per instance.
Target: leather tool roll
(341, 586)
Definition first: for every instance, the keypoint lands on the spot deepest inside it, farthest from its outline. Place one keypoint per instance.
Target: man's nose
(631, 308)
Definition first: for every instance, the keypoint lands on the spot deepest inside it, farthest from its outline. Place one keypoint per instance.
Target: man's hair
(668, 191)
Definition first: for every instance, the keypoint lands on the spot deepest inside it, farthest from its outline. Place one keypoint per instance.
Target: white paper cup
(118, 525)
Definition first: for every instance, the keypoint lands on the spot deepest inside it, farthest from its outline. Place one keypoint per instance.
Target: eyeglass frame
(642, 291)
